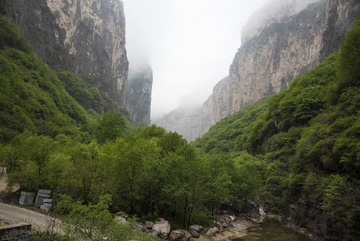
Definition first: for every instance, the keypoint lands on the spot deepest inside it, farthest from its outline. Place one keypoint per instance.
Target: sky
(189, 44)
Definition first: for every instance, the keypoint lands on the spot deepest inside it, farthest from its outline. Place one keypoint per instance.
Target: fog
(190, 45)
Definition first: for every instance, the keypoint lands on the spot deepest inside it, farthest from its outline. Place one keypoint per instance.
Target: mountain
(280, 42)
(138, 94)
(86, 38)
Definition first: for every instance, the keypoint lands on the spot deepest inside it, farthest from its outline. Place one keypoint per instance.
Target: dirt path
(16, 214)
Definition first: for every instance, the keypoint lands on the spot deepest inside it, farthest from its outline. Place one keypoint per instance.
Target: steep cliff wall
(274, 12)
(183, 120)
(138, 94)
(86, 37)
(216, 107)
(193, 122)
(268, 62)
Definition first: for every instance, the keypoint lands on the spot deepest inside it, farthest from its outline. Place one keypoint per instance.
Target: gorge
(279, 135)
(278, 45)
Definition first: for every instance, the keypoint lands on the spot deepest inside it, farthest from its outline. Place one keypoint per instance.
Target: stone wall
(15, 232)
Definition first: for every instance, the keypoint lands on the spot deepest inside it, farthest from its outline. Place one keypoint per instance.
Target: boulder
(194, 233)
(120, 219)
(140, 227)
(162, 227)
(212, 231)
(149, 224)
(180, 235)
(196, 228)
(122, 214)
(152, 232)
(261, 212)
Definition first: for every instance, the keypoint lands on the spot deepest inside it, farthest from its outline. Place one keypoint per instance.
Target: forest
(299, 146)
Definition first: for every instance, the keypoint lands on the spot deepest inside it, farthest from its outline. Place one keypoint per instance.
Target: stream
(271, 230)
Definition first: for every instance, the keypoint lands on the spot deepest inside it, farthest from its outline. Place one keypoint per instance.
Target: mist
(189, 44)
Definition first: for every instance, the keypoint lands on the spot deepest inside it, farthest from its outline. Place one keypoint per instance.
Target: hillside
(32, 97)
(308, 136)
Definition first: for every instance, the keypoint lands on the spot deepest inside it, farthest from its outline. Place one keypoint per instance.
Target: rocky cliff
(138, 94)
(193, 122)
(86, 37)
(280, 42)
(216, 107)
(183, 120)
(272, 58)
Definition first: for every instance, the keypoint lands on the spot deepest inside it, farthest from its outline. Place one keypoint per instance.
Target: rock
(140, 227)
(122, 214)
(261, 212)
(232, 218)
(162, 227)
(149, 224)
(176, 235)
(194, 233)
(197, 228)
(121, 220)
(180, 235)
(212, 231)
(152, 232)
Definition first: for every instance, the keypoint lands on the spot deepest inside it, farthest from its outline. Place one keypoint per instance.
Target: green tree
(134, 157)
(109, 127)
(32, 158)
(85, 173)
(94, 222)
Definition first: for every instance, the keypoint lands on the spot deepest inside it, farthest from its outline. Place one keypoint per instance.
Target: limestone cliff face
(86, 37)
(282, 51)
(216, 107)
(138, 95)
(193, 122)
(274, 12)
(183, 120)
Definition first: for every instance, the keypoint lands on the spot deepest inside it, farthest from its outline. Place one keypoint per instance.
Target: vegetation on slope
(87, 95)
(31, 95)
(308, 136)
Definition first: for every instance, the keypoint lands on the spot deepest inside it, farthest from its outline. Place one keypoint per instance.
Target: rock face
(86, 37)
(280, 42)
(276, 11)
(195, 122)
(138, 94)
(183, 120)
(216, 107)
(291, 45)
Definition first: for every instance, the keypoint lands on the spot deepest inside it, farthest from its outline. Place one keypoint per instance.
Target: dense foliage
(87, 95)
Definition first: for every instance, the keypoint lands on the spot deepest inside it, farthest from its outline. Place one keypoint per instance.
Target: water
(273, 230)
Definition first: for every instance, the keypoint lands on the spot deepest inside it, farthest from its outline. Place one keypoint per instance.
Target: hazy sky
(189, 44)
